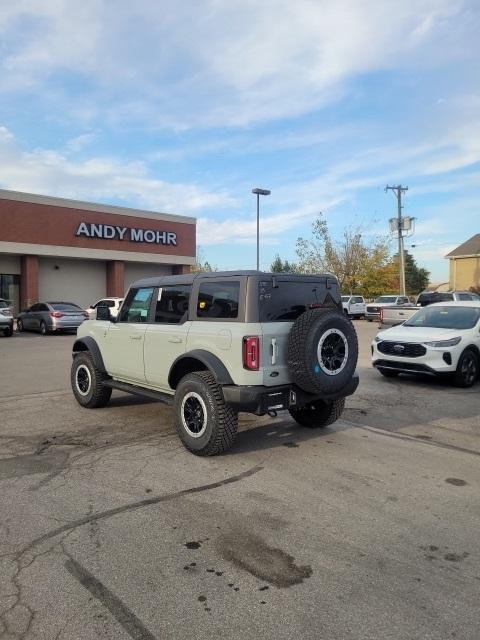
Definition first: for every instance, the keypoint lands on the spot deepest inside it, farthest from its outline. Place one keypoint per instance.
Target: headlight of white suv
(440, 344)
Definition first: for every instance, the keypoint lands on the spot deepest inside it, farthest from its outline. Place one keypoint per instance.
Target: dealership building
(58, 249)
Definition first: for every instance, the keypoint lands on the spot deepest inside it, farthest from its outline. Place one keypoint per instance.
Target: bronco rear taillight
(56, 314)
(251, 353)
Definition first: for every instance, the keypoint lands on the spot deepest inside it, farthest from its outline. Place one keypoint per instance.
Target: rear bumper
(260, 400)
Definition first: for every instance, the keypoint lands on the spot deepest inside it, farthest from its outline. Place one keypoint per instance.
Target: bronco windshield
(445, 318)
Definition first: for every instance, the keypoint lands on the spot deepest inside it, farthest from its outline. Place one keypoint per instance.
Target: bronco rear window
(288, 300)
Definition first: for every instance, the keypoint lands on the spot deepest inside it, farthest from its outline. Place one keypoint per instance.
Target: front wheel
(87, 382)
(467, 369)
(20, 326)
(318, 414)
(205, 424)
(8, 332)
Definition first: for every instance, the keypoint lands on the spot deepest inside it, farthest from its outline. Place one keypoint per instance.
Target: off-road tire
(306, 334)
(461, 378)
(98, 394)
(20, 326)
(318, 414)
(220, 421)
(388, 373)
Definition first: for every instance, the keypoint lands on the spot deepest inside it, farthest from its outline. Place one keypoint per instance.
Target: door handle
(136, 336)
(175, 340)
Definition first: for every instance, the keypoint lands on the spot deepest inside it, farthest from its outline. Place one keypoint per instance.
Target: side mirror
(103, 313)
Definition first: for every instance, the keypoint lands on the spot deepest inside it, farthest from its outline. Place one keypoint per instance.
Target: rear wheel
(388, 373)
(43, 328)
(318, 414)
(87, 382)
(206, 425)
(467, 369)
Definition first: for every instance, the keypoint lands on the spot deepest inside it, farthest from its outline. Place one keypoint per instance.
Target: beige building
(465, 264)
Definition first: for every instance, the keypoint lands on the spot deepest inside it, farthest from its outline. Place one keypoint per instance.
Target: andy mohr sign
(111, 232)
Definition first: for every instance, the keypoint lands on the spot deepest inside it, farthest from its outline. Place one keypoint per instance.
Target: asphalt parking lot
(109, 528)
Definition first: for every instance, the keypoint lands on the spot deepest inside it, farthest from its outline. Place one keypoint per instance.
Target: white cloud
(99, 178)
(209, 63)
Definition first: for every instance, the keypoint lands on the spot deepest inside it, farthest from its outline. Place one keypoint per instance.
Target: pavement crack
(406, 436)
(140, 504)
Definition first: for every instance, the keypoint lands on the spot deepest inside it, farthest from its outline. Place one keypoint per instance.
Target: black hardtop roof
(159, 281)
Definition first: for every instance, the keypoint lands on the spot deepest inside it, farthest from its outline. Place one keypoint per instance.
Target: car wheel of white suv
(205, 424)
(87, 382)
(467, 369)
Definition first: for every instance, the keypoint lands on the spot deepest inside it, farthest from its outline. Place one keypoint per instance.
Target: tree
(416, 278)
(282, 266)
(201, 264)
(360, 266)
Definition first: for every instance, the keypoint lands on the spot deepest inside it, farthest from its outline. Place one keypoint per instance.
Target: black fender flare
(186, 363)
(88, 344)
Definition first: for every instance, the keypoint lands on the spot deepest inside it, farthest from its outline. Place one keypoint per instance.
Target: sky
(184, 107)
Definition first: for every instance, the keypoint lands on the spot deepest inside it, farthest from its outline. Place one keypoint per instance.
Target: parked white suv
(113, 304)
(219, 343)
(441, 339)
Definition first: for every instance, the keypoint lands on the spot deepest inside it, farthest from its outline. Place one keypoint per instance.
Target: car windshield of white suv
(345, 298)
(445, 318)
(386, 299)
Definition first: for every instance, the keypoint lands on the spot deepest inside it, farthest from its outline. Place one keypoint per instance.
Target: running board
(139, 391)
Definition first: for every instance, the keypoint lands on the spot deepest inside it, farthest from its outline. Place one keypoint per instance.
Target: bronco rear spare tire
(322, 351)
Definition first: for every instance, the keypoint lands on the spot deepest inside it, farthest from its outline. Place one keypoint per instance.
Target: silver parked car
(6, 318)
(47, 317)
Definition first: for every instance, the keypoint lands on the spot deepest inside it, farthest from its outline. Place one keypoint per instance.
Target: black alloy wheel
(467, 369)
(333, 352)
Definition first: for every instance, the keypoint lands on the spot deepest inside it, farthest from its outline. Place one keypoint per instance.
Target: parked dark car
(48, 317)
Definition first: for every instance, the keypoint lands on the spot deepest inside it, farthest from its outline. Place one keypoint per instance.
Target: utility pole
(398, 190)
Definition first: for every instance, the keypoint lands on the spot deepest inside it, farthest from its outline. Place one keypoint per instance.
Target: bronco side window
(137, 305)
(218, 300)
(172, 303)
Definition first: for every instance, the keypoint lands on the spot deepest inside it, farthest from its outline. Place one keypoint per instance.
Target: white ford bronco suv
(215, 344)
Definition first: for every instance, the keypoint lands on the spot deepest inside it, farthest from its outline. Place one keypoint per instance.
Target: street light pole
(259, 192)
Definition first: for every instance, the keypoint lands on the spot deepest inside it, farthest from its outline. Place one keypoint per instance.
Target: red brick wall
(32, 223)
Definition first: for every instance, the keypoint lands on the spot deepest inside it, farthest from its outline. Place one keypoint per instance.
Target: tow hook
(272, 413)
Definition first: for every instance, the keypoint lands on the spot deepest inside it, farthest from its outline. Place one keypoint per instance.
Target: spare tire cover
(322, 351)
